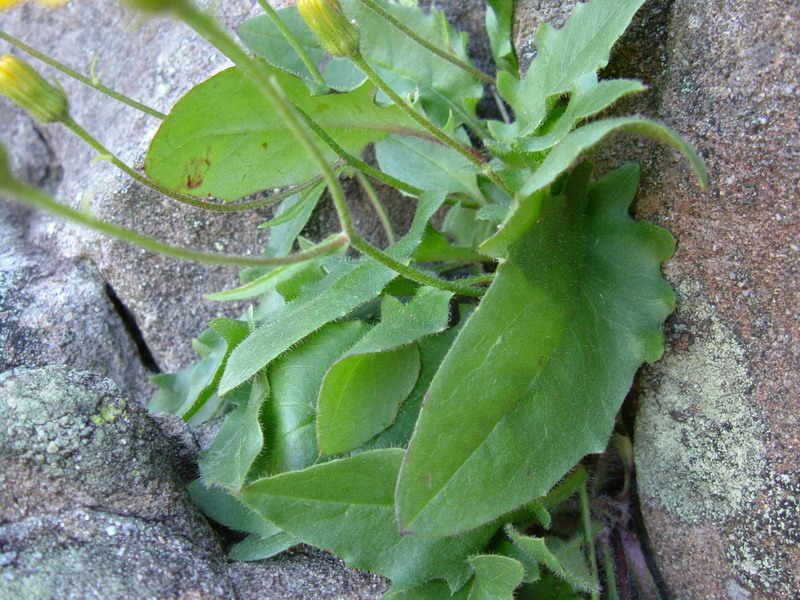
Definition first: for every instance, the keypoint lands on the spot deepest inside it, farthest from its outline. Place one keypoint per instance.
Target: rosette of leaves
(413, 432)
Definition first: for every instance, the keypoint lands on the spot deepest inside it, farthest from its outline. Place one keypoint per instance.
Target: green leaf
(222, 506)
(308, 202)
(341, 292)
(262, 37)
(432, 351)
(581, 105)
(432, 590)
(229, 458)
(185, 393)
(427, 165)
(436, 247)
(361, 396)
(362, 393)
(563, 57)
(496, 577)
(224, 139)
(295, 379)
(565, 559)
(347, 506)
(572, 313)
(499, 26)
(525, 210)
(405, 65)
(255, 547)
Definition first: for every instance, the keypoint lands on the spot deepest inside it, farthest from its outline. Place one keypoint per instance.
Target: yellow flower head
(327, 20)
(21, 84)
(6, 4)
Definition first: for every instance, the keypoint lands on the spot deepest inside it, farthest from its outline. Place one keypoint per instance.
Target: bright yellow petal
(50, 3)
(6, 4)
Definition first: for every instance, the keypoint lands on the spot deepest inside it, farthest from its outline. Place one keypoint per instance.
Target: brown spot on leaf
(195, 171)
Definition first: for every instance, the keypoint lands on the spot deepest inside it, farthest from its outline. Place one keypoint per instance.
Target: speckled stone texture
(91, 501)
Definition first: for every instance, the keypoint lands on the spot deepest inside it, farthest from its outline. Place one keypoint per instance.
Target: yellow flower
(21, 84)
(6, 4)
(327, 20)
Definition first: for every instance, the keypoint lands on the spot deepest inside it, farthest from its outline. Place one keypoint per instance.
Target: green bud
(21, 84)
(327, 20)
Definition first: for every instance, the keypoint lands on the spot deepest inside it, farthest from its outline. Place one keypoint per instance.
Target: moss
(109, 413)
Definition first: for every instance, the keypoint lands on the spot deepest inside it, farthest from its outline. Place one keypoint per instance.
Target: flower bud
(327, 20)
(21, 84)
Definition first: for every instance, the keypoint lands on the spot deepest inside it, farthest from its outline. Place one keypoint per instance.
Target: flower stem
(205, 25)
(589, 539)
(38, 199)
(293, 41)
(430, 47)
(190, 200)
(380, 209)
(466, 151)
(82, 78)
(411, 273)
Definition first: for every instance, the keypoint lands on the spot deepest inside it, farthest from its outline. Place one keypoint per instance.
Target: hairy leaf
(347, 506)
(499, 27)
(432, 351)
(573, 312)
(296, 378)
(239, 441)
(352, 285)
(525, 210)
(222, 506)
(565, 559)
(496, 577)
(427, 165)
(255, 547)
(224, 139)
(362, 392)
(563, 57)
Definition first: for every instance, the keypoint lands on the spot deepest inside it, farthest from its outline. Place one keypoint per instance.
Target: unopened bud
(21, 84)
(327, 20)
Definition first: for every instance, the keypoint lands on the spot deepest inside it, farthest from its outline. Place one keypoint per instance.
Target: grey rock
(91, 501)
(55, 311)
(305, 573)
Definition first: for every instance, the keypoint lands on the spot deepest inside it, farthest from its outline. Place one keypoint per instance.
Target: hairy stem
(589, 539)
(380, 209)
(190, 200)
(82, 78)
(411, 273)
(293, 41)
(430, 47)
(38, 199)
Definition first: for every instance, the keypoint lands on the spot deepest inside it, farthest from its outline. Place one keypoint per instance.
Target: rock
(305, 573)
(91, 502)
(717, 435)
(54, 311)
